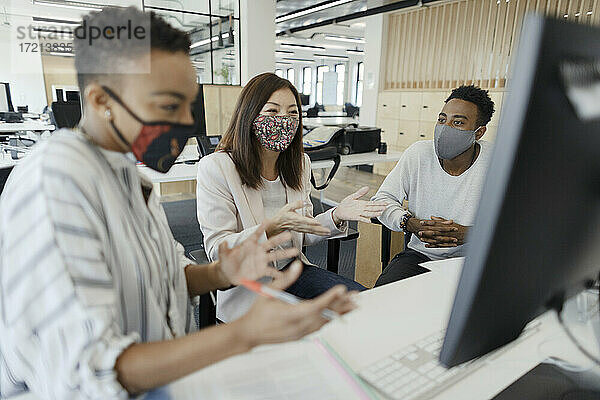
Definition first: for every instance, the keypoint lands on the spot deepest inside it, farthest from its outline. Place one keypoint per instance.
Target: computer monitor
(66, 114)
(4, 172)
(199, 113)
(60, 96)
(536, 237)
(5, 98)
(72, 95)
(304, 99)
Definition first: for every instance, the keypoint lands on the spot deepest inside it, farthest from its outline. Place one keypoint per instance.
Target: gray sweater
(431, 191)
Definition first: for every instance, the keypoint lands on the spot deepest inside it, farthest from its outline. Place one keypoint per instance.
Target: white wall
(22, 70)
(257, 18)
(374, 32)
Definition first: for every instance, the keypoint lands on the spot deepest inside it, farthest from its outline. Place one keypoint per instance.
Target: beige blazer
(228, 210)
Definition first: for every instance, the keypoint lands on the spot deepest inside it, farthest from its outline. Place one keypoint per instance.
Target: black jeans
(314, 281)
(402, 266)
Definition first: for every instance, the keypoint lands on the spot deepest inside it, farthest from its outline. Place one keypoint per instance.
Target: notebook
(307, 369)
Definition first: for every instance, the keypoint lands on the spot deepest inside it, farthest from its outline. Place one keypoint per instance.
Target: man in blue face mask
(441, 180)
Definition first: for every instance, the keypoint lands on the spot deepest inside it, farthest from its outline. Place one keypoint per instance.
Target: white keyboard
(414, 372)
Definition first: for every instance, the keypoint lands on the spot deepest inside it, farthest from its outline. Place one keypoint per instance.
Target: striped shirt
(87, 268)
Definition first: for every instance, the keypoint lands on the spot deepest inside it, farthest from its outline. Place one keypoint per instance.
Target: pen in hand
(266, 291)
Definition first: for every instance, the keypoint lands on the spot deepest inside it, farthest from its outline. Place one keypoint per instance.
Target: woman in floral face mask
(259, 174)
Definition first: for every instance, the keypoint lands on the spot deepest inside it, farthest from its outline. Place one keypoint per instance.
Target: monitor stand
(546, 382)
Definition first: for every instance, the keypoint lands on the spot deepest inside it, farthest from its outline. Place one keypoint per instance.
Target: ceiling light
(207, 41)
(58, 53)
(52, 33)
(302, 47)
(331, 57)
(345, 39)
(566, 15)
(577, 14)
(589, 13)
(310, 10)
(304, 60)
(355, 51)
(59, 22)
(70, 4)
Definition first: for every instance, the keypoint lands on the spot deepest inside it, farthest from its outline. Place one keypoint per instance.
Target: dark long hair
(240, 142)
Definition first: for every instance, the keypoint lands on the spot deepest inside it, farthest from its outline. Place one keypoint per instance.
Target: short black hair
(477, 96)
(92, 60)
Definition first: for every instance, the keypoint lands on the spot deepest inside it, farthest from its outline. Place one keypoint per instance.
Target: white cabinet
(432, 105)
(490, 133)
(497, 99)
(389, 130)
(388, 105)
(411, 105)
(408, 133)
(426, 130)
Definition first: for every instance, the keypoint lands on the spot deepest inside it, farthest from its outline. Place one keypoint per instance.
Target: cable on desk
(573, 339)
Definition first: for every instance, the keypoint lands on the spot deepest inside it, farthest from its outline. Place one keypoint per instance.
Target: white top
(274, 199)
(431, 191)
(230, 211)
(86, 269)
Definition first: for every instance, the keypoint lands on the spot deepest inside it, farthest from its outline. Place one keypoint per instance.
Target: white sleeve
(58, 303)
(395, 189)
(216, 210)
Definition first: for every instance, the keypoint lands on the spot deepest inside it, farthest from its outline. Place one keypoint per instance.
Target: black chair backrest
(4, 172)
(312, 112)
(66, 114)
(351, 110)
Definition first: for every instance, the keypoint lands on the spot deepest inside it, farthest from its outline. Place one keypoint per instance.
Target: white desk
(328, 121)
(396, 315)
(359, 159)
(188, 172)
(36, 126)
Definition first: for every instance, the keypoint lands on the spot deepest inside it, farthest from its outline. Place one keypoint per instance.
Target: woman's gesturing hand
(273, 321)
(353, 209)
(253, 260)
(287, 219)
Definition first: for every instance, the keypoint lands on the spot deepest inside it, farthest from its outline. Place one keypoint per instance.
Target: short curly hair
(94, 60)
(477, 96)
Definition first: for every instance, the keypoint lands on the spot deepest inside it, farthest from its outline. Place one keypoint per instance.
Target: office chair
(351, 110)
(207, 307)
(66, 114)
(312, 112)
(181, 216)
(334, 244)
(386, 242)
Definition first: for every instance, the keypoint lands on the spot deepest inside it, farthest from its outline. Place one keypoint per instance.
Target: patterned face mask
(275, 132)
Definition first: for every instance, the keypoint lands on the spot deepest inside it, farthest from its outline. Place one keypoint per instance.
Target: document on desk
(301, 370)
(448, 263)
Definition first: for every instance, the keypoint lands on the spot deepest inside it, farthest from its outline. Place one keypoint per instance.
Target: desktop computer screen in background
(536, 238)
(5, 100)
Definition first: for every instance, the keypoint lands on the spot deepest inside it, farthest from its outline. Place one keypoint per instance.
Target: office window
(279, 73)
(359, 83)
(306, 80)
(291, 76)
(214, 33)
(320, 72)
(340, 69)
